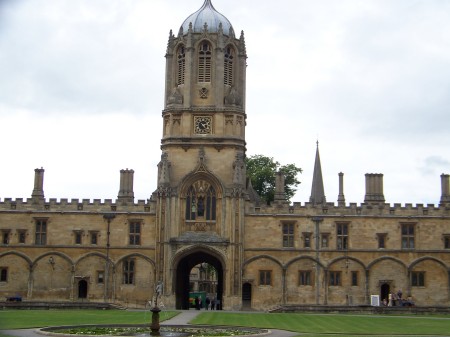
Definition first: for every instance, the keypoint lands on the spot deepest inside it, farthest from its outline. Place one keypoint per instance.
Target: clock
(202, 125)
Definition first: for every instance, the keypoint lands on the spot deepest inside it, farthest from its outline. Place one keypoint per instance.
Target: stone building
(205, 211)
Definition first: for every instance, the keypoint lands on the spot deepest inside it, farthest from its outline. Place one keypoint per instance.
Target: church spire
(317, 189)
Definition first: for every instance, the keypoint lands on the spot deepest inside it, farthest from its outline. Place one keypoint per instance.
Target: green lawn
(316, 324)
(17, 319)
(310, 325)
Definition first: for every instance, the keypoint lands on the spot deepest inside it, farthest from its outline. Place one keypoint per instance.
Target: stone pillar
(367, 278)
(38, 191)
(126, 192)
(341, 197)
(283, 281)
(374, 188)
(445, 187)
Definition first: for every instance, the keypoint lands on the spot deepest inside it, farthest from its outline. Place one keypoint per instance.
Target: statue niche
(201, 203)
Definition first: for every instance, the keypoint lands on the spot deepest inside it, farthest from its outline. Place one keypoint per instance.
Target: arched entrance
(384, 292)
(183, 270)
(82, 289)
(247, 295)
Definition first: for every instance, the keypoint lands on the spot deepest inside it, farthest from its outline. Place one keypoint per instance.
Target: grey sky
(81, 92)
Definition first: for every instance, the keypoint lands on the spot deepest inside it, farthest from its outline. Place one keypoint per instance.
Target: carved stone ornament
(175, 97)
(233, 97)
(203, 92)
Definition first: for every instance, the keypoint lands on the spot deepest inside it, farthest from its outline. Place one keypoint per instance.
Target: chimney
(341, 197)
(126, 193)
(445, 187)
(280, 194)
(374, 188)
(38, 191)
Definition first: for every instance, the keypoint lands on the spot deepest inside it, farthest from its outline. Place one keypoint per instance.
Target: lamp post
(108, 217)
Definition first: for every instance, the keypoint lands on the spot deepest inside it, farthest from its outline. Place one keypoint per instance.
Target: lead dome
(209, 15)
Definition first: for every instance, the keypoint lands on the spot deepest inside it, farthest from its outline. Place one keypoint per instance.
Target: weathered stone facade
(204, 210)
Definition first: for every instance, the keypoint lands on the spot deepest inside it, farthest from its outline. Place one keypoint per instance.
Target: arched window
(181, 65)
(228, 66)
(204, 62)
(201, 202)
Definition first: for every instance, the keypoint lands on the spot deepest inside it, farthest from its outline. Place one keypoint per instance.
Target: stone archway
(82, 289)
(385, 289)
(183, 270)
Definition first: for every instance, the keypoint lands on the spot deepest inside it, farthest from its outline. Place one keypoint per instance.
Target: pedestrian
(197, 303)
(213, 303)
(207, 301)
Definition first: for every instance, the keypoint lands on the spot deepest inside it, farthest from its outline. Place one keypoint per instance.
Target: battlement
(354, 209)
(76, 205)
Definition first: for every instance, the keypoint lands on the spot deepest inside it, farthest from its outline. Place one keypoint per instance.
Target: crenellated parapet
(75, 205)
(353, 209)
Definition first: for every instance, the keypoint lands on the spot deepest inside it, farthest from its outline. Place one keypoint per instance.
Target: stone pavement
(183, 318)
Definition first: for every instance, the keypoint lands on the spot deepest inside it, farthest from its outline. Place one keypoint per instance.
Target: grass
(309, 325)
(24, 319)
(322, 324)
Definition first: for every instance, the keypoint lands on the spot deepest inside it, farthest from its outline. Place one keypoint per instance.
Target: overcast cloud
(81, 92)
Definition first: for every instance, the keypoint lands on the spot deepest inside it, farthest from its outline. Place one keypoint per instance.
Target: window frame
(100, 279)
(342, 235)
(78, 239)
(288, 234)
(354, 278)
(22, 233)
(228, 66)
(324, 237)
(135, 232)
(4, 274)
(307, 240)
(418, 278)
(6, 240)
(41, 229)
(334, 278)
(129, 271)
(381, 240)
(265, 277)
(93, 237)
(181, 64)
(446, 239)
(408, 239)
(305, 278)
(205, 60)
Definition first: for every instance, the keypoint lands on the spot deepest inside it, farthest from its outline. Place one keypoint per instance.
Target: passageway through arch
(183, 271)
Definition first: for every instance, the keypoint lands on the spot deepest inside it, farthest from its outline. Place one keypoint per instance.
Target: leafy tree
(261, 170)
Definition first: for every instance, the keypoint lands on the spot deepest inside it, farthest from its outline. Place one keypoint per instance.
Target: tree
(261, 170)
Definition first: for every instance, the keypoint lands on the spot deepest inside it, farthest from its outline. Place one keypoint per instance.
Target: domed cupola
(208, 15)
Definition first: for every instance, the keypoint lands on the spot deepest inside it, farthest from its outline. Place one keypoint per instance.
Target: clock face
(202, 125)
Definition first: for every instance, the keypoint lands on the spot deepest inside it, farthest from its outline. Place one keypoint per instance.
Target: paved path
(183, 318)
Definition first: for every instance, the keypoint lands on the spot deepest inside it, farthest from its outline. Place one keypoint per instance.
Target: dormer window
(204, 62)
(228, 66)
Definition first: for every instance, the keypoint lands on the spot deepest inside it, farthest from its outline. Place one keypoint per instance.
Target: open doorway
(206, 280)
(82, 289)
(384, 292)
(246, 296)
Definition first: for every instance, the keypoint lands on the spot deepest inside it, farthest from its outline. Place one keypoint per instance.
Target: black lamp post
(108, 217)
